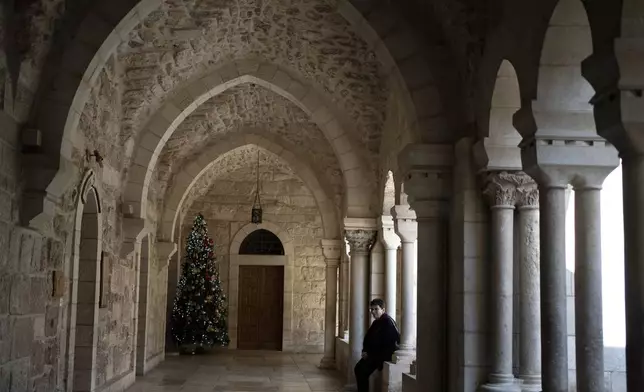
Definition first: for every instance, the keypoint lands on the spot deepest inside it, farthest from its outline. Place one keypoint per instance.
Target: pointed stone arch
(190, 174)
(562, 108)
(497, 147)
(356, 171)
(389, 193)
(104, 27)
(86, 294)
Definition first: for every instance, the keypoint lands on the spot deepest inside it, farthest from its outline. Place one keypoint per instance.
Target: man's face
(376, 311)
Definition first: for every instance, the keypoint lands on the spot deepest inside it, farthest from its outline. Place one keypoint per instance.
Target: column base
(404, 356)
(327, 363)
(506, 387)
(530, 383)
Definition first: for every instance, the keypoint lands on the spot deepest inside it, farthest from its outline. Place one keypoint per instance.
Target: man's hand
(364, 355)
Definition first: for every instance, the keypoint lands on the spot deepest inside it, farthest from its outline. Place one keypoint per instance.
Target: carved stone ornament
(501, 187)
(528, 196)
(361, 240)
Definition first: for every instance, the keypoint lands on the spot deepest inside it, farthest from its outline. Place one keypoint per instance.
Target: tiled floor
(232, 371)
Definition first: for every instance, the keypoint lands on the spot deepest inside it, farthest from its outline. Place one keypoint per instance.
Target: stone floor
(232, 371)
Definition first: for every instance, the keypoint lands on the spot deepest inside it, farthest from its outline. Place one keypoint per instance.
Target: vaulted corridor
(232, 371)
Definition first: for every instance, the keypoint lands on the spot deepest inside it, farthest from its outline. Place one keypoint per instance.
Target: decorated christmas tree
(199, 315)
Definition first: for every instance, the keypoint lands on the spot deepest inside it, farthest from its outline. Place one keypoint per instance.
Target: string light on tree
(199, 315)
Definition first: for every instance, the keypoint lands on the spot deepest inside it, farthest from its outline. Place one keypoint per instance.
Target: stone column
(529, 265)
(632, 174)
(554, 327)
(407, 229)
(426, 170)
(589, 339)
(332, 250)
(360, 240)
(501, 192)
(345, 291)
(391, 242)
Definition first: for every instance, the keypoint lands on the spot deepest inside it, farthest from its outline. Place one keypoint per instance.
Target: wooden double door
(260, 307)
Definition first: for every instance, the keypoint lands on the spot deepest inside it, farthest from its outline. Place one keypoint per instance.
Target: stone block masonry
(29, 318)
(289, 204)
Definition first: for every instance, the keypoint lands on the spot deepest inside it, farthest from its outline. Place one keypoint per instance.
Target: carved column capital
(528, 195)
(361, 241)
(501, 187)
(332, 251)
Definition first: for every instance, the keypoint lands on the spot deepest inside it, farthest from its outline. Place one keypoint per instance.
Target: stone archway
(287, 261)
(562, 108)
(498, 148)
(86, 290)
(190, 174)
(356, 172)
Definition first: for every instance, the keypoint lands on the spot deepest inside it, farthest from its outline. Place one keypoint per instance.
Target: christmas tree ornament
(199, 315)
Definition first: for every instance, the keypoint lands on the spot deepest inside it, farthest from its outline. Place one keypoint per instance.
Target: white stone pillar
(376, 273)
(391, 242)
(426, 170)
(332, 250)
(407, 229)
(361, 237)
(501, 191)
(589, 332)
(343, 311)
(554, 164)
(529, 266)
(554, 326)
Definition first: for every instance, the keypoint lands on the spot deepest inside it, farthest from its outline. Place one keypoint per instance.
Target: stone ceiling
(307, 36)
(237, 164)
(243, 108)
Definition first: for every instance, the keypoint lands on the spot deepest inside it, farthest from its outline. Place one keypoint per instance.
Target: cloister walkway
(233, 371)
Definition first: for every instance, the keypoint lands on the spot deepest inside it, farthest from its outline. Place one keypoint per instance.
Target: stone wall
(30, 336)
(289, 204)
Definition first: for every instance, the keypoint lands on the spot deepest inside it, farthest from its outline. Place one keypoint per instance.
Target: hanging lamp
(256, 213)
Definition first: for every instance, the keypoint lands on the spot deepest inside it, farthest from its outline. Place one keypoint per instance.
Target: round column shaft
(589, 340)
(501, 192)
(407, 229)
(332, 252)
(360, 243)
(529, 269)
(554, 331)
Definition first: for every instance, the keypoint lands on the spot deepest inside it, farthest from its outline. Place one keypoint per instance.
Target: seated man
(378, 346)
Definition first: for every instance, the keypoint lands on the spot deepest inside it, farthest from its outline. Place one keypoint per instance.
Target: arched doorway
(261, 288)
(86, 289)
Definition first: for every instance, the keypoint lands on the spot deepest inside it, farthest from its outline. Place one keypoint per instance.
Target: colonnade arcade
(429, 153)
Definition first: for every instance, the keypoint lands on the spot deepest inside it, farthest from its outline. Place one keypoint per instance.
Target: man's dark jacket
(381, 340)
